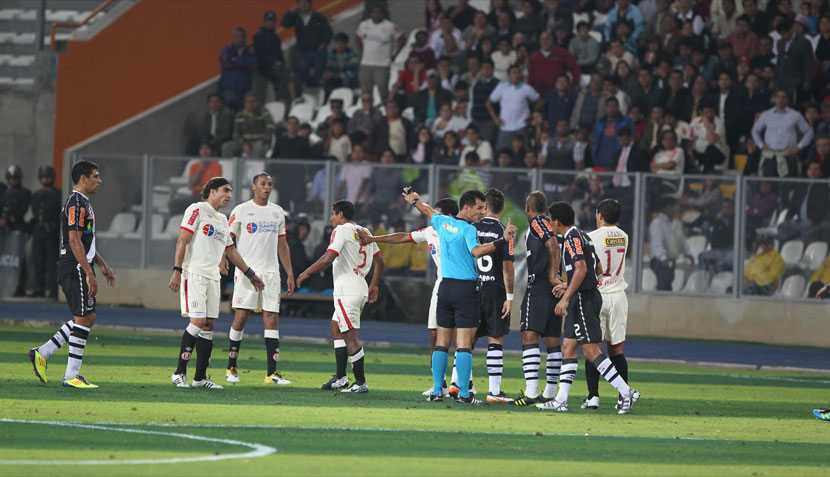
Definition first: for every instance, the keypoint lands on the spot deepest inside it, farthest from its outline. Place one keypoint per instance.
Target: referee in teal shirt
(458, 301)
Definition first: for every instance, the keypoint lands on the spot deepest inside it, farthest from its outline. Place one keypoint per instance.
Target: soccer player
(582, 323)
(351, 262)
(495, 272)
(77, 277)
(458, 302)
(538, 317)
(611, 245)
(204, 236)
(447, 207)
(259, 229)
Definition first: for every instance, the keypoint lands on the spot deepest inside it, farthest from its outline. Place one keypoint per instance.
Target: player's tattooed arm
(321, 264)
(185, 236)
(109, 275)
(380, 266)
(284, 253)
(239, 262)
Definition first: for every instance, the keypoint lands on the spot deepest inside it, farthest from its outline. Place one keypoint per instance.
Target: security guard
(45, 226)
(14, 208)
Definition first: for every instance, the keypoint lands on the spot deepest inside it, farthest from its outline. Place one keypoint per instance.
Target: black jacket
(379, 139)
(224, 129)
(268, 49)
(309, 37)
(420, 100)
(795, 66)
(638, 160)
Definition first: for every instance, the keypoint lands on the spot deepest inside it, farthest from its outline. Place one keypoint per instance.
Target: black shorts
(491, 324)
(582, 322)
(458, 304)
(76, 291)
(538, 315)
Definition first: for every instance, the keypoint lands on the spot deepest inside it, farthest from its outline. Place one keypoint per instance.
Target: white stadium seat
(303, 112)
(697, 283)
(346, 94)
(814, 256)
(122, 224)
(791, 252)
(171, 230)
(277, 111)
(649, 280)
(696, 244)
(721, 282)
(581, 17)
(793, 287)
(679, 279)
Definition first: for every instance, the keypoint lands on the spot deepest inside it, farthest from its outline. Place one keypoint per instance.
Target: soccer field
(689, 421)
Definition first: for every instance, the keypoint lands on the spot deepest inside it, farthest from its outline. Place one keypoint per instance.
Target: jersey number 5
(365, 257)
(607, 273)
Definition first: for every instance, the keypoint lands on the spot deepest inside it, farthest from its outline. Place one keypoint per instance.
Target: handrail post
(86, 20)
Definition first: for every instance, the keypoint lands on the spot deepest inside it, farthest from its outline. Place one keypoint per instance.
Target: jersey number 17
(620, 251)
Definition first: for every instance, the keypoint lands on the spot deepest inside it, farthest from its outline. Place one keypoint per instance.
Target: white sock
(554, 367)
(77, 343)
(56, 341)
(566, 379)
(454, 372)
(609, 372)
(495, 367)
(530, 364)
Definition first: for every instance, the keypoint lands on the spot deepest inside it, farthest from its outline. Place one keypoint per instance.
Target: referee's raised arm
(413, 199)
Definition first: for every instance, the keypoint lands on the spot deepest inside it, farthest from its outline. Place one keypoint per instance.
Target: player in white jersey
(611, 245)
(445, 206)
(259, 229)
(204, 237)
(351, 261)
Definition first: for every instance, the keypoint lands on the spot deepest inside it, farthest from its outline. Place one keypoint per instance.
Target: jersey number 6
(485, 263)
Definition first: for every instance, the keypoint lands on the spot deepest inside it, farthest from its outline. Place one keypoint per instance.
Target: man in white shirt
(447, 207)
(709, 138)
(437, 39)
(513, 97)
(203, 239)
(611, 245)
(354, 178)
(477, 145)
(259, 229)
(351, 261)
(379, 41)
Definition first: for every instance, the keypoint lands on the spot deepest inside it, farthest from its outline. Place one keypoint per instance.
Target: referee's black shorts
(582, 322)
(76, 291)
(458, 304)
(491, 324)
(538, 314)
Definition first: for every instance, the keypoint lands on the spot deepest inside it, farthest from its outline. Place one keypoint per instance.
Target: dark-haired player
(538, 317)
(351, 261)
(495, 271)
(204, 236)
(259, 229)
(76, 277)
(446, 206)
(611, 245)
(582, 323)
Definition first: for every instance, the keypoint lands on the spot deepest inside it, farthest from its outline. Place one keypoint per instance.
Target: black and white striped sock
(56, 341)
(609, 372)
(77, 343)
(495, 366)
(554, 367)
(566, 379)
(531, 358)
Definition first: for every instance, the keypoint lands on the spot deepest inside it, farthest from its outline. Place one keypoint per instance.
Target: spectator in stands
(611, 86)
(395, 132)
(606, 143)
(439, 37)
(424, 103)
(821, 155)
(559, 103)
(504, 26)
(744, 42)
(410, 78)
(650, 136)
(625, 77)
(476, 144)
(291, 145)
(217, 124)
(647, 94)
(631, 158)
(764, 270)
(355, 179)
(809, 204)
(197, 176)
(433, 15)
(425, 150)
(822, 42)
(819, 278)
(721, 235)
(379, 41)
(794, 69)
(341, 66)
(499, 7)
(686, 14)
(758, 20)
(445, 73)
(271, 63)
(296, 232)
(513, 97)
(337, 112)
(624, 9)
(730, 103)
(584, 48)
(616, 53)
(532, 21)
(446, 121)
(480, 29)
(548, 63)
(725, 21)
(385, 188)
(366, 118)
(590, 104)
(449, 153)
(252, 131)
(708, 146)
(470, 76)
(670, 159)
(462, 14)
(779, 142)
(503, 59)
(313, 34)
(422, 50)
(238, 63)
(480, 93)
(663, 239)
(558, 152)
(337, 143)
(762, 206)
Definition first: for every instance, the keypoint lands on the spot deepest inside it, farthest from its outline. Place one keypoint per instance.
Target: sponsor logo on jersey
(450, 228)
(81, 217)
(193, 216)
(90, 302)
(71, 215)
(432, 249)
(251, 227)
(208, 230)
(615, 241)
(510, 247)
(230, 221)
(194, 303)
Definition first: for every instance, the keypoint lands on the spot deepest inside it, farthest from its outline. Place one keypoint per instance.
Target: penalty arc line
(257, 450)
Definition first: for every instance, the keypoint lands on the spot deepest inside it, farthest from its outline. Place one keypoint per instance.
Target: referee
(458, 300)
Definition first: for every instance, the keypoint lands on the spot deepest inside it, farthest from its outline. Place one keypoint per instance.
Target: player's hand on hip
(561, 307)
(175, 282)
(290, 285)
(92, 285)
(505, 309)
(373, 294)
(257, 283)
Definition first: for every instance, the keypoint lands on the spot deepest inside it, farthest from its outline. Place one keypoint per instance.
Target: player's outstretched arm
(239, 262)
(580, 271)
(488, 248)
(397, 237)
(185, 236)
(285, 259)
(321, 264)
(380, 266)
(109, 275)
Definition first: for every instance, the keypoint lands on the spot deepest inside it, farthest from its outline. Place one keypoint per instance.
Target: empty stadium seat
(346, 94)
(596, 35)
(793, 287)
(304, 112)
(679, 279)
(696, 244)
(322, 113)
(814, 256)
(122, 224)
(649, 280)
(697, 283)
(156, 226)
(277, 111)
(408, 113)
(721, 283)
(791, 252)
(171, 229)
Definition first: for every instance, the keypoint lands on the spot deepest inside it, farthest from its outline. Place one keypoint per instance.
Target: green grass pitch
(690, 421)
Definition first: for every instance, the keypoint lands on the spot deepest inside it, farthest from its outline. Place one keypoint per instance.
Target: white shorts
(614, 317)
(432, 320)
(245, 297)
(347, 310)
(199, 296)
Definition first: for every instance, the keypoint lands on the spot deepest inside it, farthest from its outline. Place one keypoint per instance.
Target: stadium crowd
(713, 87)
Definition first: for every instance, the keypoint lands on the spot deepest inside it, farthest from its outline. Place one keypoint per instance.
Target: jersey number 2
(607, 273)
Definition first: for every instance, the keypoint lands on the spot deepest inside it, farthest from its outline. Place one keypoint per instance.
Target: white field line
(257, 450)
